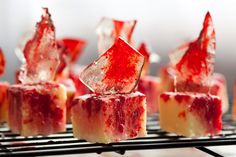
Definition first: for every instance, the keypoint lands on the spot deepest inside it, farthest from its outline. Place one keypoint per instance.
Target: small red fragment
(143, 49)
(2, 62)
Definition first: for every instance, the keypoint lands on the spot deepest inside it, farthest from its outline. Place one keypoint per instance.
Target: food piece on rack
(109, 118)
(37, 109)
(41, 53)
(71, 93)
(150, 86)
(194, 61)
(109, 30)
(143, 49)
(3, 91)
(189, 114)
(115, 71)
(38, 105)
(217, 86)
(4, 103)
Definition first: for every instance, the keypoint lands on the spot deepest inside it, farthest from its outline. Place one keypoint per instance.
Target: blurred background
(163, 24)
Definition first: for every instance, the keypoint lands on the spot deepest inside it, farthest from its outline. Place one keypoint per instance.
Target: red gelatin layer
(109, 118)
(190, 114)
(115, 71)
(37, 109)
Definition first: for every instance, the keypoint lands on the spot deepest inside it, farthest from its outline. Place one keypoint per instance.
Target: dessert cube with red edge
(71, 93)
(217, 86)
(114, 112)
(109, 118)
(4, 103)
(37, 109)
(37, 106)
(109, 30)
(234, 103)
(150, 86)
(189, 114)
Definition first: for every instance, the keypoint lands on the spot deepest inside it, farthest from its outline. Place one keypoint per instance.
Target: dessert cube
(150, 86)
(109, 118)
(37, 109)
(217, 86)
(71, 93)
(189, 114)
(3, 101)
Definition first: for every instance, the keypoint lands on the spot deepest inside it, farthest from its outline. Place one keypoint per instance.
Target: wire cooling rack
(63, 143)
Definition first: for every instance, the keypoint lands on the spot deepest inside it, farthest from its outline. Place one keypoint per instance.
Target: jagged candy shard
(72, 48)
(41, 53)
(115, 71)
(194, 61)
(109, 30)
(143, 49)
(2, 62)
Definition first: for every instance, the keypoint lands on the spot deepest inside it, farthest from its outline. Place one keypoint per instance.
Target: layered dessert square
(150, 86)
(189, 114)
(109, 118)
(37, 109)
(4, 103)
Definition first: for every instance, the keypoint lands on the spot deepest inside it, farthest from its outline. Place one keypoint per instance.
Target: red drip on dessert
(181, 98)
(120, 70)
(2, 62)
(118, 111)
(92, 105)
(165, 97)
(42, 105)
(182, 115)
(209, 109)
(136, 121)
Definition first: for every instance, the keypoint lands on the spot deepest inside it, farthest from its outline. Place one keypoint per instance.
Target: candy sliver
(41, 53)
(115, 71)
(194, 61)
(2, 62)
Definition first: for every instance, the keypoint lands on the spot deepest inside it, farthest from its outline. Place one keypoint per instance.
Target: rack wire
(63, 143)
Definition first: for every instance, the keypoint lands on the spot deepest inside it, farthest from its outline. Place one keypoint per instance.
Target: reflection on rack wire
(64, 143)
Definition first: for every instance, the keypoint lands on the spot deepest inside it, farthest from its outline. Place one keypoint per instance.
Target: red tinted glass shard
(2, 62)
(109, 30)
(41, 52)
(143, 49)
(115, 71)
(73, 47)
(194, 61)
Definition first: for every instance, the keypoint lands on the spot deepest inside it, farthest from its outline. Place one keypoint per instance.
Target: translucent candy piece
(41, 53)
(2, 62)
(73, 47)
(109, 30)
(115, 71)
(143, 49)
(194, 61)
